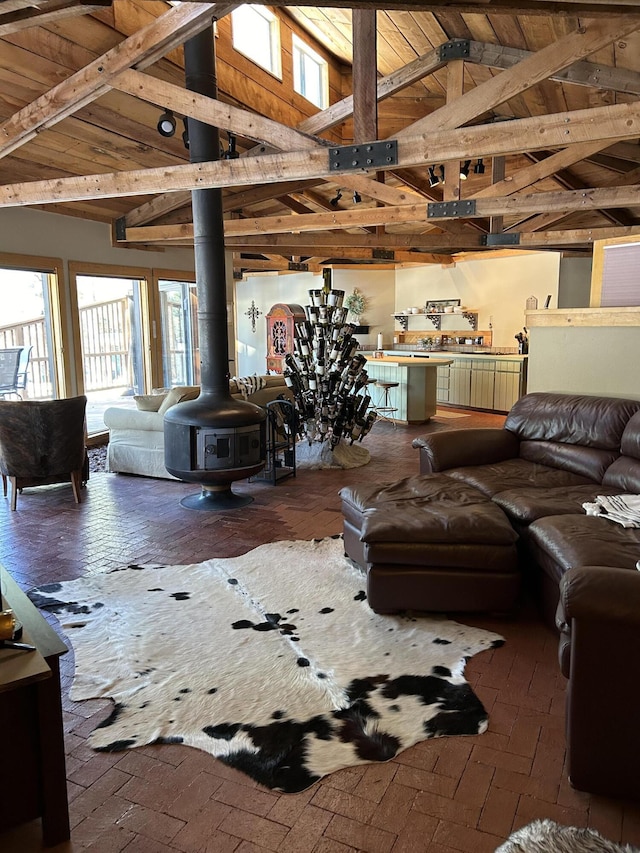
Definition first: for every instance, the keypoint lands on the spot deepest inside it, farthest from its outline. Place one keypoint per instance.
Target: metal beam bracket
(296, 266)
(510, 239)
(368, 155)
(454, 49)
(383, 254)
(451, 209)
(120, 229)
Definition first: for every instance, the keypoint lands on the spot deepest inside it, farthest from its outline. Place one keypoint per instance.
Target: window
(310, 77)
(256, 34)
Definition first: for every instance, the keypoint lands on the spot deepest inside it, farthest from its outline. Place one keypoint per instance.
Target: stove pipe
(215, 439)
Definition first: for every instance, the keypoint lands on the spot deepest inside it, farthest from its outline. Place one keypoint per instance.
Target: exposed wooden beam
(56, 10)
(364, 75)
(591, 74)
(535, 68)
(554, 131)
(589, 8)
(142, 49)
(514, 205)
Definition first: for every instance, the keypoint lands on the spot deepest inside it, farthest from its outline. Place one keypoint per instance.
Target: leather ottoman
(431, 543)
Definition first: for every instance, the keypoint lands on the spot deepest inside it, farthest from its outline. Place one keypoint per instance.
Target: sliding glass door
(179, 332)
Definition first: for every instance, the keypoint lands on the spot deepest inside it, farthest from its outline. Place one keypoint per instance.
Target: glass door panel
(179, 328)
(27, 322)
(111, 337)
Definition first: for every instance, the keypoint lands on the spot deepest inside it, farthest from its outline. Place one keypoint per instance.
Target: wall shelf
(436, 319)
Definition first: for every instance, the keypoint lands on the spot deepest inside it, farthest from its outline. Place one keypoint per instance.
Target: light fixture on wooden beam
(357, 198)
(334, 201)
(166, 124)
(478, 169)
(464, 170)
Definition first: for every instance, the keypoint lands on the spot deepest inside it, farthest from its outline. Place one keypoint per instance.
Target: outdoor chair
(9, 369)
(42, 442)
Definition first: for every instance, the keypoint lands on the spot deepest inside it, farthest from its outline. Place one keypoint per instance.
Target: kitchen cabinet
(481, 382)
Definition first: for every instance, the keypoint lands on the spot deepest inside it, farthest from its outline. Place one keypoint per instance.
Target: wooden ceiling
(546, 94)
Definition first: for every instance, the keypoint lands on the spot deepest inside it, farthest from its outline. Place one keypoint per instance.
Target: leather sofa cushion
(426, 509)
(525, 505)
(586, 461)
(566, 541)
(597, 422)
(625, 471)
(516, 473)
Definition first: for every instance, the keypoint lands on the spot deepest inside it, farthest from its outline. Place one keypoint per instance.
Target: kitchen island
(415, 397)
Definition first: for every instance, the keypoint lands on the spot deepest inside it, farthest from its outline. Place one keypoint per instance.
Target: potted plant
(355, 303)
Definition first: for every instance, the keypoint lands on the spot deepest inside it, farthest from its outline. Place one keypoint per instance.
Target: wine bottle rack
(326, 373)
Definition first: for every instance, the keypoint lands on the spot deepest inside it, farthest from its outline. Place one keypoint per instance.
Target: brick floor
(441, 796)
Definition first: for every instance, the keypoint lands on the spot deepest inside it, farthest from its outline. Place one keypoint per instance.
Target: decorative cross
(254, 313)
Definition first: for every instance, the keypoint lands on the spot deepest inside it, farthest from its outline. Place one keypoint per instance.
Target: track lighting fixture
(357, 198)
(464, 170)
(434, 180)
(185, 133)
(442, 174)
(478, 169)
(166, 123)
(231, 153)
(334, 201)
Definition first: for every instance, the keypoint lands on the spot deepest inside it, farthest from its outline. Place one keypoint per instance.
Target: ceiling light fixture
(434, 180)
(357, 198)
(464, 171)
(185, 133)
(334, 201)
(166, 123)
(478, 169)
(442, 174)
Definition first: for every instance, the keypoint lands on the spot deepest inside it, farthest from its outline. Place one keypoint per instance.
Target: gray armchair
(42, 442)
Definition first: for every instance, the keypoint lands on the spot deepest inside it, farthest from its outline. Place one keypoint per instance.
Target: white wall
(378, 286)
(496, 287)
(38, 232)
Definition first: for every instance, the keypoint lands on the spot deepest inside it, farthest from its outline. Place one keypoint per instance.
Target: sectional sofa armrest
(601, 594)
(121, 418)
(461, 447)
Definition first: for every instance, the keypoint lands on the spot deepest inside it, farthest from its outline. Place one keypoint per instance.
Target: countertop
(415, 355)
(402, 360)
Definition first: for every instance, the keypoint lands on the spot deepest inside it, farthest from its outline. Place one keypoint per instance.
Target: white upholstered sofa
(136, 436)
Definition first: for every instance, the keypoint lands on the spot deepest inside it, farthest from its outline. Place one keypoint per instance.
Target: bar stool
(384, 407)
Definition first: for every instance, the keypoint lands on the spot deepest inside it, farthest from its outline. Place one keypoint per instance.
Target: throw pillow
(149, 402)
(178, 395)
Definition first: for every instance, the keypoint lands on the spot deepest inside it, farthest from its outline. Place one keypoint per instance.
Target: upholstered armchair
(42, 442)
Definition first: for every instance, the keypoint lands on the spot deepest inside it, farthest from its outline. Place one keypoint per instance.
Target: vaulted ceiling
(542, 93)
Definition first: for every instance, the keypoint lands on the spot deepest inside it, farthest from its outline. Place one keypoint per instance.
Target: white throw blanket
(248, 385)
(623, 509)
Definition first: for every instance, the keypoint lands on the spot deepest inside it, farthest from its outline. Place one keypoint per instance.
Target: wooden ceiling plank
(607, 123)
(536, 67)
(583, 73)
(142, 49)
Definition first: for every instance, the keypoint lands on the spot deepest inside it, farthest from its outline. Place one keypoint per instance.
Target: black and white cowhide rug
(271, 661)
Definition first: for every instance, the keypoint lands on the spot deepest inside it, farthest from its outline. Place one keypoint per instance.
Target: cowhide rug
(271, 661)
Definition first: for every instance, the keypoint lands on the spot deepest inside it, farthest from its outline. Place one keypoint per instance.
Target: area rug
(272, 661)
(547, 836)
(449, 415)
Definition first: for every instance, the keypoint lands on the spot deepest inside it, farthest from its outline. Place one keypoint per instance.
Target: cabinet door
(482, 383)
(507, 386)
(442, 388)
(460, 383)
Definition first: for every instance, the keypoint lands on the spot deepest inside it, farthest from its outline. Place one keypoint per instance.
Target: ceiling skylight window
(256, 34)
(310, 74)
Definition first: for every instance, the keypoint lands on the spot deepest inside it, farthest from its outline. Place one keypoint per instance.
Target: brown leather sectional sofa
(555, 452)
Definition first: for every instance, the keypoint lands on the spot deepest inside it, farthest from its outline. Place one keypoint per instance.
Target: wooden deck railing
(105, 331)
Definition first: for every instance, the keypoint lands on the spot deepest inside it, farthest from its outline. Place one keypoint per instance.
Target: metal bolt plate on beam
(452, 209)
(120, 228)
(383, 254)
(511, 239)
(454, 49)
(368, 155)
(298, 267)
